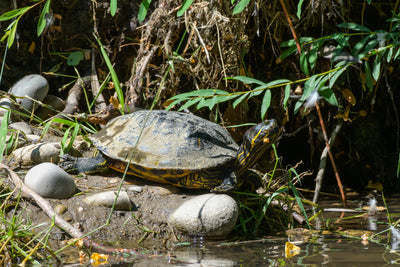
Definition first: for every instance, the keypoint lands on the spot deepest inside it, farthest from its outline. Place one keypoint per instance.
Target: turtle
(175, 148)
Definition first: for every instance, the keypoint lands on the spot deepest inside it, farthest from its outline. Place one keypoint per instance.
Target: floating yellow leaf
(291, 250)
(98, 259)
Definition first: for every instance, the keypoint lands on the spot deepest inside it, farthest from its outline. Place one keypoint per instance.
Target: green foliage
(42, 19)
(185, 5)
(144, 7)
(74, 58)
(16, 14)
(114, 75)
(113, 7)
(240, 6)
(3, 133)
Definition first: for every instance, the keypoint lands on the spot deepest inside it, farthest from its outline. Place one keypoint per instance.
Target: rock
(37, 153)
(22, 126)
(50, 181)
(5, 103)
(52, 101)
(106, 199)
(206, 215)
(32, 138)
(135, 188)
(34, 86)
(60, 209)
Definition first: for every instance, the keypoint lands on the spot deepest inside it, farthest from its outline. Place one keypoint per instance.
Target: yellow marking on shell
(185, 179)
(266, 140)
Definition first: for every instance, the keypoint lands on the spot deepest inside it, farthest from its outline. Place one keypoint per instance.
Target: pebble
(53, 101)
(135, 188)
(37, 153)
(212, 215)
(5, 103)
(106, 199)
(34, 86)
(50, 181)
(60, 209)
(22, 126)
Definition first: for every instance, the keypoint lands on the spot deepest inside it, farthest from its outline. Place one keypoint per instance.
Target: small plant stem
(339, 182)
(291, 26)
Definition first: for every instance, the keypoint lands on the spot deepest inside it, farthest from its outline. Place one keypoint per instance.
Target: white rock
(135, 188)
(34, 86)
(206, 215)
(37, 153)
(106, 199)
(50, 181)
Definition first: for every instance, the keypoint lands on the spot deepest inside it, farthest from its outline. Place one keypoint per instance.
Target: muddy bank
(146, 224)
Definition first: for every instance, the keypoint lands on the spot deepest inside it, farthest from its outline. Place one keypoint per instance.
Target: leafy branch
(16, 14)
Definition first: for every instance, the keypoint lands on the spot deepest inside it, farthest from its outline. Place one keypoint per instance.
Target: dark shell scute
(169, 140)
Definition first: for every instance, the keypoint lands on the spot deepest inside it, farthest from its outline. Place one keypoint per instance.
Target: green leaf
(240, 6)
(342, 40)
(368, 76)
(185, 5)
(376, 69)
(113, 7)
(74, 58)
(397, 54)
(358, 46)
(190, 103)
(144, 7)
(328, 95)
(202, 92)
(3, 133)
(247, 80)
(335, 75)
(266, 102)
(42, 19)
(313, 55)
(287, 94)
(389, 54)
(299, 8)
(354, 26)
(114, 75)
(14, 13)
(240, 99)
(11, 34)
(304, 64)
(288, 52)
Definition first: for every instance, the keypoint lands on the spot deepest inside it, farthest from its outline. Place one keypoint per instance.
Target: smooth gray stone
(7, 104)
(34, 86)
(206, 215)
(106, 199)
(50, 181)
(22, 126)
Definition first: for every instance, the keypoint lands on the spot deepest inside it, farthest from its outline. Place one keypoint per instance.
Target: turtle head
(256, 141)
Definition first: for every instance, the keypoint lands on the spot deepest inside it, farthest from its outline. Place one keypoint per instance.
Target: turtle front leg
(227, 185)
(75, 165)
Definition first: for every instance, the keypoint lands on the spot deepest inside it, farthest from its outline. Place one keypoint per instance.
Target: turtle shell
(170, 147)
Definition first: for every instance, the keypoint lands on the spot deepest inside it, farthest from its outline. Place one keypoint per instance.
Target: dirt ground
(145, 225)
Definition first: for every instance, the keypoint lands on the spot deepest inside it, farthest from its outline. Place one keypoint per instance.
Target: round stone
(21, 126)
(5, 105)
(106, 199)
(34, 86)
(206, 215)
(37, 153)
(50, 181)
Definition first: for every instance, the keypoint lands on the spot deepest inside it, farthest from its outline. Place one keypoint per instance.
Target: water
(338, 242)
